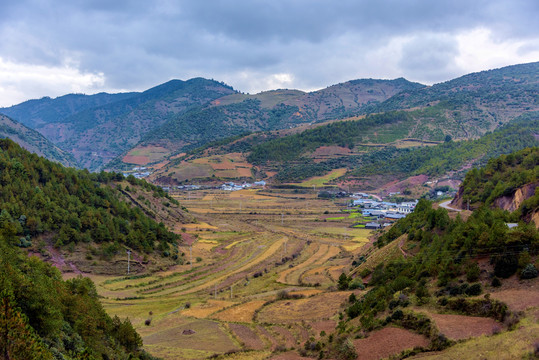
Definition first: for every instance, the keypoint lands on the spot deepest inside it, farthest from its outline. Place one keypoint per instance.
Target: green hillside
(44, 317)
(33, 141)
(502, 177)
(439, 268)
(43, 200)
(271, 110)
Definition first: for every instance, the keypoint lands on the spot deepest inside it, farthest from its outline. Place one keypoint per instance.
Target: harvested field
(459, 327)
(247, 336)
(204, 310)
(317, 307)
(240, 313)
(386, 342)
(207, 337)
(519, 299)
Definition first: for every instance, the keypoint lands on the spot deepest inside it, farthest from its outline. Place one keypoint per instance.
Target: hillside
(457, 128)
(444, 262)
(95, 133)
(44, 317)
(82, 221)
(39, 112)
(272, 110)
(507, 182)
(33, 141)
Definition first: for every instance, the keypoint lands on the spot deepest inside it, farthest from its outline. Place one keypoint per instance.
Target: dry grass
(318, 307)
(203, 310)
(240, 313)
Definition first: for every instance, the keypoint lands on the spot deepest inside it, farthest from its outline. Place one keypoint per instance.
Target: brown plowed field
(459, 327)
(386, 342)
(247, 336)
(518, 300)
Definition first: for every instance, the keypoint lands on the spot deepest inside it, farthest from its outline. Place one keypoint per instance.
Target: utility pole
(282, 219)
(231, 291)
(191, 256)
(215, 291)
(128, 259)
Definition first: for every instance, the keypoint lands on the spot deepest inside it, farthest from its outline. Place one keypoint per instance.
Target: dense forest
(44, 317)
(39, 197)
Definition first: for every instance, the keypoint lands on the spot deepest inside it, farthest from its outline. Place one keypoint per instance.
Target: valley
(263, 274)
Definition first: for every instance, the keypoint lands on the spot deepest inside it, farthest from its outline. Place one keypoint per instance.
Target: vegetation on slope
(37, 112)
(33, 141)
(441, 268)
(38, 197)
(449, 156)
(502, 177)
(44, 317)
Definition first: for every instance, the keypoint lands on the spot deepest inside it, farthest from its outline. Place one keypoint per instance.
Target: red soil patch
(386, 342)
(136, 159)
(459, 327)
(331, 150)
(324, 325)
(519, 300)
(247, 336)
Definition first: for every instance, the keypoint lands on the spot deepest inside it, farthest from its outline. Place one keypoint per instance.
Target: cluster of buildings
(383, 213)
(231, 186)
(139, 172)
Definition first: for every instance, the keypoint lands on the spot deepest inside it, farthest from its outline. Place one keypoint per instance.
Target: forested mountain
(41, 200)
(47, 208)
(96, 134)
(33, 141)
(39, 112)
(504, 177)
(44, 317)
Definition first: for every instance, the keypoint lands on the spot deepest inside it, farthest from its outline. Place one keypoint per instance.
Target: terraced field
(259, 273)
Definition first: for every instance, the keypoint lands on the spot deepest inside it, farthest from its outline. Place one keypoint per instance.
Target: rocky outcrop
(513, 202)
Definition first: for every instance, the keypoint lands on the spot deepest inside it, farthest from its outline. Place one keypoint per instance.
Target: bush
(474, 289)
(472, 272)
(496, 282)
(529, 272)
(506, 266)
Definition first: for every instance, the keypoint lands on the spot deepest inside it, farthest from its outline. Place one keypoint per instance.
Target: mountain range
(119, 131)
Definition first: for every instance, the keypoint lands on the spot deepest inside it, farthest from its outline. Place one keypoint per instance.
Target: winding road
(445, 205)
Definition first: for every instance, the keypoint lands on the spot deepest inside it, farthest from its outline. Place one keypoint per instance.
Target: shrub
(529, 272)
(505, 266)
(472, 272)
(495, 282)
(474, 289)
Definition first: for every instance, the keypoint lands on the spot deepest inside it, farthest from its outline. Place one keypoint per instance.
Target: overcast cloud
(50, 48)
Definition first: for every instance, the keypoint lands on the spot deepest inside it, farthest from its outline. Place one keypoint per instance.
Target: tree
(17, 339)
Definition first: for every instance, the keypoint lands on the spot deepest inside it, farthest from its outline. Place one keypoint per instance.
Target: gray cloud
(137, 44)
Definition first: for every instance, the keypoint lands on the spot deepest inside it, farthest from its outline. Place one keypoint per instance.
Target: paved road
(445, 205)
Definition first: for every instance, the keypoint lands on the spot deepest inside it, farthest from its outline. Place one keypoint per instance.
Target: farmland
(260, 273)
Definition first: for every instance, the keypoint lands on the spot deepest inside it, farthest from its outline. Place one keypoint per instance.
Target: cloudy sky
(54, 47)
